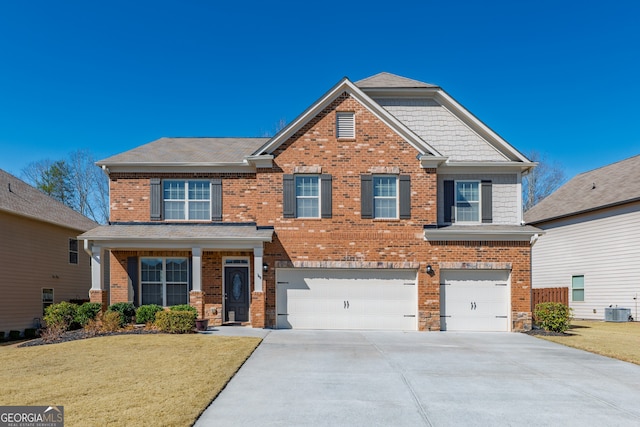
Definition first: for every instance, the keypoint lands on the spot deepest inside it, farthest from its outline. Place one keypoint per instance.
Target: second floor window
(73, 251)
(467, 201)
(307, 196)
(187, 200)
(385, 197)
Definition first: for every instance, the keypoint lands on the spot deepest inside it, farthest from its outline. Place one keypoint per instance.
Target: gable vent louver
(345, 125)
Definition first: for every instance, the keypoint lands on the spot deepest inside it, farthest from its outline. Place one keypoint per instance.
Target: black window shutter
(449, 201)
(190, 275)
(366, 196)
(156, 199)
(288, 197)
(216, 200)
(325, 195)
(405, 196)
(132, 273)
(487, 202)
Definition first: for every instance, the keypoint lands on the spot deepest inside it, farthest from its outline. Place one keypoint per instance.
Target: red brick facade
(258, 197)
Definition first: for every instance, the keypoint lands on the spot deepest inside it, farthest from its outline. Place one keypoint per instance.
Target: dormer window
(346, 125)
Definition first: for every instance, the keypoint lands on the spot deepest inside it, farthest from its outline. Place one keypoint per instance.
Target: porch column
(98, 293)
(196, 270)
(97, 284)
(257, 268)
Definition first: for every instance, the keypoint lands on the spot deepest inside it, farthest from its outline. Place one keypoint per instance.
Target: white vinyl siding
(345, 125)
(385, 197)
(187, 200)
(603, 246)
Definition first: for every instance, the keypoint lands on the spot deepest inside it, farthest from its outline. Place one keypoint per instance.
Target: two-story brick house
(384, 205)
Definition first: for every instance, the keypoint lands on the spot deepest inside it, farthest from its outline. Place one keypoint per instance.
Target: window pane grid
(468, 201)
(307, 197)
(385, 200)
(187, 200)
(164, 281)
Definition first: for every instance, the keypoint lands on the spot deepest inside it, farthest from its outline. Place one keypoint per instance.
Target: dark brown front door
(236, 294)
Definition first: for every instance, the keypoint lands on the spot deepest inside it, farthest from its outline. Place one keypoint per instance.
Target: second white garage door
(346, 299)
(474, 300)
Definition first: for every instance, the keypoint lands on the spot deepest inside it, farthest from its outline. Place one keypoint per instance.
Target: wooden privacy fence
(560, 295)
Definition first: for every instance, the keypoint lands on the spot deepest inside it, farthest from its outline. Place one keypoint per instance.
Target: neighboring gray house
(592, 239)
(41, 260)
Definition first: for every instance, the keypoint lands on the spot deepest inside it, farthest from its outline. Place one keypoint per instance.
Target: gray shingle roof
(607, 186)
(161, 231)
(388, 80)
(19, 198)
(188, 150)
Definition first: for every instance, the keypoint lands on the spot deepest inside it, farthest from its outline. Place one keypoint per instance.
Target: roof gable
(388, 80)
(611, 185)
(345, 85)
(19, 198)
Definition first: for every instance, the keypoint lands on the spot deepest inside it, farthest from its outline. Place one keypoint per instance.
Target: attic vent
(345, 125)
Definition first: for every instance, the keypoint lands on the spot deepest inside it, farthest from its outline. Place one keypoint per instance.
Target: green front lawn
(141, 380)
(617, 340)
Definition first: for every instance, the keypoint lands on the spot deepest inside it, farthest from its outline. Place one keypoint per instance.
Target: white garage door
(474, 300)
(346, 299)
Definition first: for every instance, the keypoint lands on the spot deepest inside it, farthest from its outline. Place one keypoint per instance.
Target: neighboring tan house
(41, 260)
(384, 205)
(591, 241)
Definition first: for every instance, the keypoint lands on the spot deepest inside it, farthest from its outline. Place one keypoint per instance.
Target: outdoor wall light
(430, 269)
(265, 267)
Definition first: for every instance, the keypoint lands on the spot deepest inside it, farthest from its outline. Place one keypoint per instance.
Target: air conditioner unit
(616, 314)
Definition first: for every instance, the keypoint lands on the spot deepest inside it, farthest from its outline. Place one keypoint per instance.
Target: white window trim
(455, 201)
(397, 196)
(163, 277)
(319, 196)
(47, 302)
(345, 114)
(571, 288)
(186, 199)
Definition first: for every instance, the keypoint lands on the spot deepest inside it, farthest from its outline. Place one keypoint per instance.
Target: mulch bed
(544, 333)
(81, 334)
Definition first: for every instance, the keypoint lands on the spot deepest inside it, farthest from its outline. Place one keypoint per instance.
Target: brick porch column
(100, 296)
(196, 299)
(257, 310)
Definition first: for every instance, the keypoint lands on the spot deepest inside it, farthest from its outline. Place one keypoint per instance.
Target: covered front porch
(217, 268)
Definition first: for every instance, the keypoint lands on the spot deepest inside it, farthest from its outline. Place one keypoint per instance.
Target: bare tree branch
(541, 181)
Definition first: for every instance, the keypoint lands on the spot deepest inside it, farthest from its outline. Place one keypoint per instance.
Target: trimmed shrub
(126, 310)
(176, 322)
(111, 321)
(87, 311)
(184, 307)
(30, 333)
(147, 313)
(52, 332)
(14, 335)
(552, 316)
(61, 315)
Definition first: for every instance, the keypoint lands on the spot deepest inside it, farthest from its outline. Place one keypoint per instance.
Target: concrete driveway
(355, 378)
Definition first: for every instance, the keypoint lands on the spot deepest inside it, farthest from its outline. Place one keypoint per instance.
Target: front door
(236, 294)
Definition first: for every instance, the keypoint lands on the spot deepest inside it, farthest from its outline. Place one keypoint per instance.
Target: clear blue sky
(560, 77)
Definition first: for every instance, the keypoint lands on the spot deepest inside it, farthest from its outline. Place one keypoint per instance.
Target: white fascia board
(478, 126)
(176, 244)
(263, 161)
(477, 235)
(345, 85)
(485, 167)
(431, 162)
